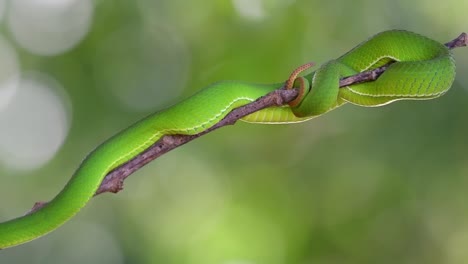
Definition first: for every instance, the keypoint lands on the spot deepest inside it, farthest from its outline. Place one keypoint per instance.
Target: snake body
(422, 69)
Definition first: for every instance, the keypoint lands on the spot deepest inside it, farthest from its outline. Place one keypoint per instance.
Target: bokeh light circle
(34, 124)
(143, 69)
(259, 9)
(2, 9)
(80, 242)
(89, 245)
(9, 73)
(49, 27)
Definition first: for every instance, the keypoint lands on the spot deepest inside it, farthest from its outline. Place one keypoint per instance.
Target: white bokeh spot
(49, 27)
(9, 73)
(252, 9)
(2, 9)
(81, 242)
(34, 124)
(93, 244)
(259, 9)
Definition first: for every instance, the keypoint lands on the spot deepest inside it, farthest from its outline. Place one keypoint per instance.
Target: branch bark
(114, 180)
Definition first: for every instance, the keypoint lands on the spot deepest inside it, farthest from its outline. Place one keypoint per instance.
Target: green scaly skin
(424, 69)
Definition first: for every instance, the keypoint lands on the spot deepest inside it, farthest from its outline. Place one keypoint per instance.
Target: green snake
(421, 69)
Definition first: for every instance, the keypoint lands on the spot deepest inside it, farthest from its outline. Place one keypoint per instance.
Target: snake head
(298, 82)
(289, 84)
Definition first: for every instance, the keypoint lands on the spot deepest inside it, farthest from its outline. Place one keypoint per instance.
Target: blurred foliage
(358, 185)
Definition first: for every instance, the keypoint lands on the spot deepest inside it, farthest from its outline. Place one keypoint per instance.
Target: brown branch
(113, 182)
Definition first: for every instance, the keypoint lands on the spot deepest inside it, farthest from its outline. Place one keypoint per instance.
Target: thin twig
(113, 182)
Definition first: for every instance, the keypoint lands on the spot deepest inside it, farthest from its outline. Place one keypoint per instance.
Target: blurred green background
(358, 185)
